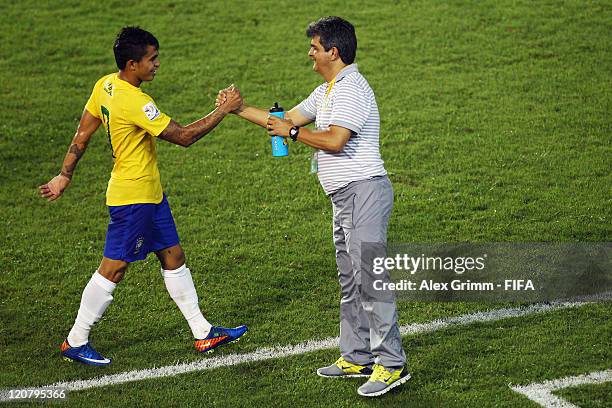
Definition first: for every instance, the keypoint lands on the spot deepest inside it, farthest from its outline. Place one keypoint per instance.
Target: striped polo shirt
(350, 104)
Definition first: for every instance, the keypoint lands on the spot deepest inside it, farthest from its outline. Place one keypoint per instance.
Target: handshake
(229, 100)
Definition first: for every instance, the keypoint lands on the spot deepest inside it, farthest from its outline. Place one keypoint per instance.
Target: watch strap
(294, 132)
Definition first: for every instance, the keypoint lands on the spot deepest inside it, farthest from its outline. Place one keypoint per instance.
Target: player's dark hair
(335, 32)
(131, 44)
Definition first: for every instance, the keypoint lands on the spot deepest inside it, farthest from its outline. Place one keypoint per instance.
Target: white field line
(542, 392)
(291, 350)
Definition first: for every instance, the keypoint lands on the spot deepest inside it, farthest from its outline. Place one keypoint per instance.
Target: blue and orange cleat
(219, 336)
(83, 354)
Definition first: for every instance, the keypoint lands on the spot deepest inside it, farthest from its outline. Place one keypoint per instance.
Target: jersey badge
(150, 110)
(108, 88)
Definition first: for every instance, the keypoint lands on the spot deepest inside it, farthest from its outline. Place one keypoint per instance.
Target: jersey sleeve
(93, 106)
(351, 108)
(308, 107)
(143, 112)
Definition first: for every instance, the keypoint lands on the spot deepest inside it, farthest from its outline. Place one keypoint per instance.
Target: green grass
(588, 396)
(495, 127)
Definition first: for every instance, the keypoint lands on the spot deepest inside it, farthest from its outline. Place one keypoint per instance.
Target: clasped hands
(275, 125)
(231, 101)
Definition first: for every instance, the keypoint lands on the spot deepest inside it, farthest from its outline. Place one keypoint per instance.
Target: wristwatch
(294, 132)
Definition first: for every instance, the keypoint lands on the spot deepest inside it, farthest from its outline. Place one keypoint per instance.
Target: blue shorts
(136, 230)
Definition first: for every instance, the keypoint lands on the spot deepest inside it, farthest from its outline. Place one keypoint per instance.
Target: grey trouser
(368, 330)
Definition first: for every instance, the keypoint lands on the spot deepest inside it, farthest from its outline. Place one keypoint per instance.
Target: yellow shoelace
(380, 373)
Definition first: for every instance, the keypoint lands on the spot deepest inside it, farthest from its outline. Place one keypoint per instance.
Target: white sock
(181, 289)
(96, 297)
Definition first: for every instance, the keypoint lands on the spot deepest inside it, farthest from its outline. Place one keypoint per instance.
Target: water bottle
(280, 147)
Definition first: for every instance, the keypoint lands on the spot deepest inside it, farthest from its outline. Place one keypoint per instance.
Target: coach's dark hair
(335, 32)
(131, 44)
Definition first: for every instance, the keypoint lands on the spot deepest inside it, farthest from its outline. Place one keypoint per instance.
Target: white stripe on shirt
(351, 104)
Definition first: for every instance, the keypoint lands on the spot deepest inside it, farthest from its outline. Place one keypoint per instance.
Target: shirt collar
(349, 69)
(125, 83)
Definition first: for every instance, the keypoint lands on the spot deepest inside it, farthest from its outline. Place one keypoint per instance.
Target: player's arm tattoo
(75, 152)
(187, 135)
(87, 126)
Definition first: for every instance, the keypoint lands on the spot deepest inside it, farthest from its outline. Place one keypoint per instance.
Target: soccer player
(140, 217)
(350, 169)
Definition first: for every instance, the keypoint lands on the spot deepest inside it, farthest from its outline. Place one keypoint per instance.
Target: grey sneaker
(383, 380)
(342, 368)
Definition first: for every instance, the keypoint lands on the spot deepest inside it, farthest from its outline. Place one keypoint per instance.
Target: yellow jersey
(131, 121)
